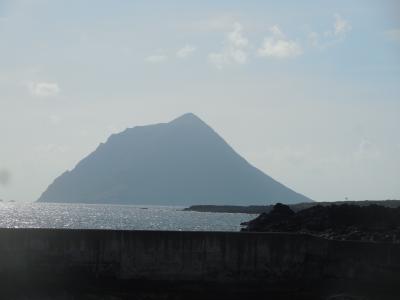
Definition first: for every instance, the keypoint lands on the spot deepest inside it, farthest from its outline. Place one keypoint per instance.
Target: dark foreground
(104, 264)
(372, 223)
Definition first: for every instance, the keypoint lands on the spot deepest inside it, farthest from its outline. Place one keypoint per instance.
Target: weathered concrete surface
(261, 262)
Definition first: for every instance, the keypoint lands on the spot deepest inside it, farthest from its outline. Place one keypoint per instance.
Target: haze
(308, 93)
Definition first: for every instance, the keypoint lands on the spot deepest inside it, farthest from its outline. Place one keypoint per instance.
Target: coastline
(258, 209)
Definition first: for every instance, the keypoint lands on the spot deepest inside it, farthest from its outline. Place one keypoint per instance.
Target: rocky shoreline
(258, 209)
(372, 223)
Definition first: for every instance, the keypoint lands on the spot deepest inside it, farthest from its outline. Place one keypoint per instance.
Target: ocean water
(125, 217)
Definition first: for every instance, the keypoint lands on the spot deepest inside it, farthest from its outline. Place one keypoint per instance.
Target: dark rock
(341, 222)
(258, 209)
(279, 215)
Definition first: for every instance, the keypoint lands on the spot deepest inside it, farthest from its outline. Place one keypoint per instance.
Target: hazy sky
(307, 91)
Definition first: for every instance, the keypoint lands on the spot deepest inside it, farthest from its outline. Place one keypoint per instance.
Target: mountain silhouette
(183, 162)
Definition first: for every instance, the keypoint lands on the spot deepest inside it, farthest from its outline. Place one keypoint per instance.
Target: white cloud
(156, 59)
(277, 32)
(393, 34)
(186, 51)
(341, 26)
(238, 56)
(278, 46)
(43, 89)
(333, 36)
(236, 38)
(234, 50)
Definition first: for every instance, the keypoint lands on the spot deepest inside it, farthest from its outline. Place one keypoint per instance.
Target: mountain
(183, 162)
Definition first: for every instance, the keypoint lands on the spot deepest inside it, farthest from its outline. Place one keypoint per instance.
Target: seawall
(302, 265)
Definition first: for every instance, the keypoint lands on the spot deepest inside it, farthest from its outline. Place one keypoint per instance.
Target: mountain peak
(187, 117)
(183, 162)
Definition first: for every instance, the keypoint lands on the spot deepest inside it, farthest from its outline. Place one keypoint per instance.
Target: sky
(308, 92)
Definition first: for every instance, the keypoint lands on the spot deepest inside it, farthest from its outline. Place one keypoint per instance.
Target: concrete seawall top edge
(189, 233)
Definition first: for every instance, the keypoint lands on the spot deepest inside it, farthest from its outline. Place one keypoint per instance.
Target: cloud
(234, 50)
(341, 26)
(278, 46)
(236, 38)
(5, 177)
(393, 34)
(43, 89)
(186, 51)
(156, 59)
(340, 29)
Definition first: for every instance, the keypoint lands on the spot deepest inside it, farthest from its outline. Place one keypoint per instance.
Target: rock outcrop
(341, 222)
(259, 209)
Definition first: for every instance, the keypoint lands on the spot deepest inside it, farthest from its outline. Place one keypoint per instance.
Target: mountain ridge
(182, 162)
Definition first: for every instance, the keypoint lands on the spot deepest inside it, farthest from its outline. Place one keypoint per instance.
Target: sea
(121, 217)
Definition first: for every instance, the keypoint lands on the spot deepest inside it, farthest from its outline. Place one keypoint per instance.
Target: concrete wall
(219, 257)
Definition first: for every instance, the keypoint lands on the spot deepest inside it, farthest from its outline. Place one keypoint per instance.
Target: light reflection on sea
(126, 217)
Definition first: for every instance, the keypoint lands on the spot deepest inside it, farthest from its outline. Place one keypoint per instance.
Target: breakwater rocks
(108, 264)
(372, 223)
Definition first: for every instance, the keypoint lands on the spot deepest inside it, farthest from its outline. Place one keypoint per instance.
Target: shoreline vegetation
(258, 209)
